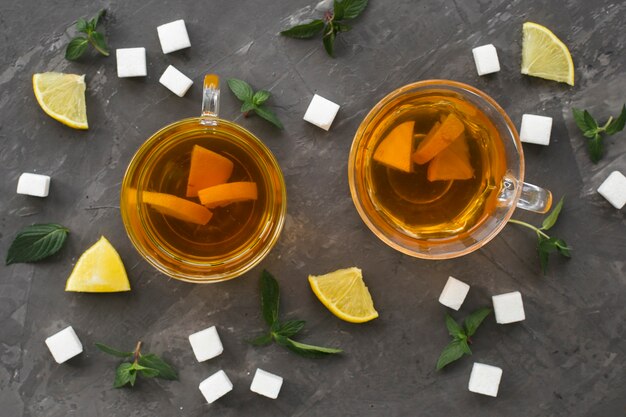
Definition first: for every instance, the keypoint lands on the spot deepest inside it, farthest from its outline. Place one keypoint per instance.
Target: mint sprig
(593, 131)
(78, 45)
(147, 365)
(330, 25)
(282, 332)
(545, 243)
(36, 242)
(253, 102)
(461, 336)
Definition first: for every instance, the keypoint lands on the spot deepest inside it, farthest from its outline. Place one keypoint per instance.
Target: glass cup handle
(534, 198)
(210, 100)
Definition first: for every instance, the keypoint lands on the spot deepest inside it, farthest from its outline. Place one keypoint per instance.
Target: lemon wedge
(99, 269)
(344, 293)
(62, 97)
(545, 56)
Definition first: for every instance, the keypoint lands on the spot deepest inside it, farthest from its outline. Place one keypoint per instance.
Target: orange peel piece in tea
(453, 163)
(207, 169)
(177, 207)
(439, 139)
(395, 149)
(225, 194)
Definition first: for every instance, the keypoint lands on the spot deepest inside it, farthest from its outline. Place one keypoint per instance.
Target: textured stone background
(566, 359)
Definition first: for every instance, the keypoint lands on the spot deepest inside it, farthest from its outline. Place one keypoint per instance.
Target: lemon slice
(545, 56)
(344, 293)
(62, 97)
(99, 269)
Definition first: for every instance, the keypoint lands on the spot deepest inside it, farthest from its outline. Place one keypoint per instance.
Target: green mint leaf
(544, 253)
(454, 329)
(268, 115)
(595, 148)
(36, 242)
(579, 118)
(262, 340)
(563, 249)
(302, 349)
(551, 219)
(304, 31)
(82, 25)
(290, 328)
(260, 97)
(451, 353)
(329, 40)
(338, 10)
(342, 27)
(94, 22)
(76, 48)
(617, 125)
(241, 89)
(590, 133)
(474, 320)
(152, 361)
(353, 8)
(124, 374)
(270, 297)
(114, 352)
(465, 347)
(146, 372)
(247, 106)
(98, 42)
(590, 121)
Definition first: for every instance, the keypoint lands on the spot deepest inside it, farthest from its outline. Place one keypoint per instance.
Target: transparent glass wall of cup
(190, 252)
(511, 191)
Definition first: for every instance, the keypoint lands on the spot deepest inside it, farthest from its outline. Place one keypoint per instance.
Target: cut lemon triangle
(344, 293)
(62, 97)
(99, 269)
(544, 55)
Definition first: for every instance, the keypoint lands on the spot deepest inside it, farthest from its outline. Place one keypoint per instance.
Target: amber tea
(436, 166)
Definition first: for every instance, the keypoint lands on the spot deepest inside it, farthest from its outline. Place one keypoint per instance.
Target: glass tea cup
(435, 219)
(156, 209)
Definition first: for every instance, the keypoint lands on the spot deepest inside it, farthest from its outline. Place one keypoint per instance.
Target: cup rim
(358, 139)
(204, 278)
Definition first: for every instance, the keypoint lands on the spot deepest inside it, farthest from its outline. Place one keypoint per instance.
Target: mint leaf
(147, 372)
(581, 122)
(474, 320)
(247, 106)
(82, 25)
(290, 328)
(270, 297)
(114, 352)
(302, 349)
(352, 8)
(304, 31)
(76, 48)
(590, 121)
(562, 248)
(98, 42)
(268, 115)
(260, 97)
(165, 370)
(124, 374)
(94, 22)
(454, 329)
(338, 10)
(342, 27)
(36, 242)
(551, 219)
(617, 125)
(241, 89)
(454, 351)
(329, 40)
(262, 340)
(595, 148)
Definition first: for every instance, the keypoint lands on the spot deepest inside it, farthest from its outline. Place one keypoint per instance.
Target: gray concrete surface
(566, 359)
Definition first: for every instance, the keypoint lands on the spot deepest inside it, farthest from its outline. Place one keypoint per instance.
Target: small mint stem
(608, 122)
(137, 352)
(530, 226)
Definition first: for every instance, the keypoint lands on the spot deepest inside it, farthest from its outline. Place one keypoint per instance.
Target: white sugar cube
(485, 379)
(64, 345)
(131, 62)
(177, 82)
(206, 344)
(486, 59)
(266, 384)
(321, 112)
(508, 307)
(536, 129)
(173, 36)
(33, 184)
(614, 189)
(215, 386)
(454, 293)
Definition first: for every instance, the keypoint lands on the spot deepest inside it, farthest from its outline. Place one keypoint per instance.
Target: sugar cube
(206, 344)
(215, 386)
(454, 293)
(321, 112)
(131, 62)
(486, 59)
(177, 82)
(614, 189)
(536, 129)
(485, 379)
(33, 184)
(64, 345)
(173, 36)
(266, 384)
(508, 307)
